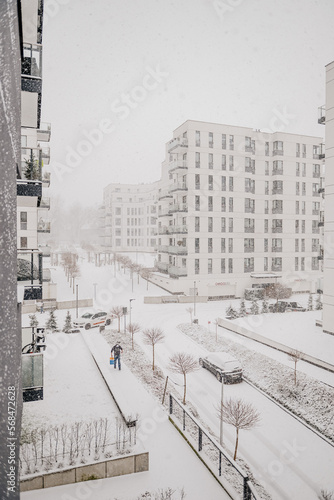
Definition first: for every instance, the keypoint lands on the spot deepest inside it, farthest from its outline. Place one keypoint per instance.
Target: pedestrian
(117, 349)
(42, 306)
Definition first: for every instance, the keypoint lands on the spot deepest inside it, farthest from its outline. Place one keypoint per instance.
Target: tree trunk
(236, 444)
(185, 388)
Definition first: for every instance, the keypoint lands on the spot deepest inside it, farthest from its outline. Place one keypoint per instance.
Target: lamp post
(95, 285)
(221, 413)
(194, 299)
(130, 310)
(77, 295)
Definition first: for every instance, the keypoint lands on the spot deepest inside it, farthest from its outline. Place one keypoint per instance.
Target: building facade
(238, 208)
(327, 117)
(129, 217)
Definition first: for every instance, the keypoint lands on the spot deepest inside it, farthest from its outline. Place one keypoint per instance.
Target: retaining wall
(171, 299)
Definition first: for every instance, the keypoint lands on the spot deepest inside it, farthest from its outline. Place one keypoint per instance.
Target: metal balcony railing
(176, 143)
(43, 226)
(175, 164)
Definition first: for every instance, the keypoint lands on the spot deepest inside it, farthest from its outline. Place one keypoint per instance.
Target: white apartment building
(327, 117)
(238, 208)
(129, 217)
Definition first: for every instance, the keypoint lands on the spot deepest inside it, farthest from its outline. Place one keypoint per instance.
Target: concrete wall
(100, 470)
(171, 299)
(30, 306)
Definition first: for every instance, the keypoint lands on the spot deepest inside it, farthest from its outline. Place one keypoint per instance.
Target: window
(210, 182)
(24, 242)
(249, 145)
(249, 185)
(230, 184)
(316, 170)
(197, 225)
(303, 188)
(118, 211)
(230, 204)
(276, 264)
(210, 224)
(277, 226)
(210, 203)
(265, 264)
(302, 263)
(303, 245)
(298, 149)
(23, 221)
(223, 224)
(210, 247)
(277, 207)
(197, 159)
(210, 140)
(296, 263)
(278, 148)
(197, 181)
(249, 265)
(266, 148)
(230, 265)
(277, 187)
(197, 202)
(304, 150)
(196, 266)
(231, 142)
(303, 226)
(222, 245)
(297, 169)
(249, 205)
(230, 225)
(315, 264)
(266, 168)
(210, 160)
(266, 187)
(222, 265)
(223, 162)
(265, 245)
(249, 225)
(230, 245)
(249, 245)
(297, 226)
(315, 208)
(296, 245)
(196, 245)
(223, 183)
(276, 245)
(197, 138)
(231, 162)
(266, 206)
(209, 266)
(249, 165)
(315, 189)
(278, 167)
(223, 204)
(297, 207)
(118, 222)
(266, 225)
(315, 245)
(223, 141)
(304, 169)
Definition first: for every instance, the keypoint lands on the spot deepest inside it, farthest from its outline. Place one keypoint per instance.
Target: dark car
(224, 366)
(286, 306)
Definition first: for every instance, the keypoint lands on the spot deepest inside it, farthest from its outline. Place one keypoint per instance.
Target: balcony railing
(173, 165)
(175, 271)
(31, 163)
(321, 220)
(164, 212)
(44, 132)
(276, 249)
(46, 156)
(319, 152)
(28, 188)
(32, 60)
(278, 152)
(164, 194)
(45, 203)
(177, 230)
(249, 229)
(162, 266)
(29, 267)
(178, 186)
(46, 275)
(278, 171)
(45, 250)
(177, 250)
(277, 229)
(43, 226)
(322, 115)
(178, 207)
(177, 142)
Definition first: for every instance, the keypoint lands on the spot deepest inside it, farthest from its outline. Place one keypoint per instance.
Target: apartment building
(33, 180)
(129, 217)
(239, 208)
(326, 117)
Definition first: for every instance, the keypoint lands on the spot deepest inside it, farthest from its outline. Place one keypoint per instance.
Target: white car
(224, 366)
(93, 318)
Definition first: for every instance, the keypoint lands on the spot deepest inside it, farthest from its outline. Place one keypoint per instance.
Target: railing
(45, 203)
(164, 194)
(177, 229)
(177, 271)
(177, 250)
(162, 266)
(178, 164)
(31, 163)
(177, 142)
(210, 451)
(178, 186)
(43, 226)
(164, 212)
(178, 207)
(277, 152)
(44, 132)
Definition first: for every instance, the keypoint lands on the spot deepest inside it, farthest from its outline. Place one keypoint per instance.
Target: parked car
(286, 306)
(93, 318)
(225, 367)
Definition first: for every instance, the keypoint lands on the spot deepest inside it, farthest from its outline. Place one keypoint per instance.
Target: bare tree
(152, 336)
(133, 328)
(295, 355)
(216, 323)
(183, 363)
(146, 275)
(326, 495)
(118, 312)
(190, 311)
(277, 291)
(240, 414)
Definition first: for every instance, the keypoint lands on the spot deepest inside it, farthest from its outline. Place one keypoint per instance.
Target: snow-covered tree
(184, 363)
(33, 321)
(318, 305)
(240, 414)
(31, 170)
(310, 303)
(277, 291)
(51, 323)
(190, 311)
(265, 306)
(152, 336)
(231, 312)
(132, 329)
(68, 323)
(254, 307)
(295, 356)
(242, 310)
(118, 312)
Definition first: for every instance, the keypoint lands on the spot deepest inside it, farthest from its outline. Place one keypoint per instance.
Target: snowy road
(289, 459)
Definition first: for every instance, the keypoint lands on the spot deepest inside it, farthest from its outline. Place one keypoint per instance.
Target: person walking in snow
(117, 349)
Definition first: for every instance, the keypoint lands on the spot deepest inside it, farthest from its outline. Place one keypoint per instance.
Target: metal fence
(224, 465)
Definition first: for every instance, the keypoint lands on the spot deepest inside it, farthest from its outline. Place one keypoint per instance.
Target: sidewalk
(172, 462)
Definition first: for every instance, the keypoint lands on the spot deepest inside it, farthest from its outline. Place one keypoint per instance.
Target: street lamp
(77, 297)
(221, 413)
(95, 285)
(130, 310)
(194, 299)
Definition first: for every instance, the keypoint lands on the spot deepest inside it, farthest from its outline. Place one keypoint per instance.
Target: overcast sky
(120, 75)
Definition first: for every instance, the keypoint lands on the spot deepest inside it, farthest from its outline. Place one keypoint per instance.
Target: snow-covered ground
(291, 460)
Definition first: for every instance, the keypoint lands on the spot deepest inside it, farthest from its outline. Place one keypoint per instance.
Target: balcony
(45, 156)
(32, 377)
(161, 230)
(278, 171)
(177, 164)
(250, 229)
(278, 152)
(46, 275)
(28, 188)
(177, 272)
(319, 152)
(45, 251)
(322, 219)
(46, 179)
(276, 267)
(178, 207)
(165, 212)
(164, 194)
(322, 115)
(249, 249)
(162, 267)
(44, 132)
(249, 210)
(177, 230)
(45, 203)
(162, 248)
(178, 142)
(33, 292)
(43, 226)
(29, 267)
(178, 186)
(32, 60)
(31, 163)
(177, 250)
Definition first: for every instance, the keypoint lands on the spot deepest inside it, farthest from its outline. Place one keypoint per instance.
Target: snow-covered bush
(68, 323)
(242, 310)
(254, 307)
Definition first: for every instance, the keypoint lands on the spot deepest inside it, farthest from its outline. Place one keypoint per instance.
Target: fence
(234, 479)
